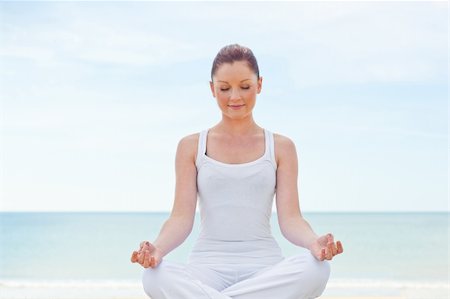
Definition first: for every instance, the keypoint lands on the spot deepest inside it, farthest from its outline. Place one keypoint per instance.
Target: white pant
(297, 277)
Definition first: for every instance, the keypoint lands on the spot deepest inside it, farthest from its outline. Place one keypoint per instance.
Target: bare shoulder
(284, 147)
(187, 146)
(283, 143)
(189, 141)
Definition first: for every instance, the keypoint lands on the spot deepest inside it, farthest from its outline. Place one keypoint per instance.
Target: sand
(133, 290)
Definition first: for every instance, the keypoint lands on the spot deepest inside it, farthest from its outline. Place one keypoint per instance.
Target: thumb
(320, 254)
(155, 261)
(330, 238)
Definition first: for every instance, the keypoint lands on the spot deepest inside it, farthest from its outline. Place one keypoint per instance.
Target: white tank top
(235, 207)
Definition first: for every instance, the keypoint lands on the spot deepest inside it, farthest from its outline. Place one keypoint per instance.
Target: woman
(235, 168)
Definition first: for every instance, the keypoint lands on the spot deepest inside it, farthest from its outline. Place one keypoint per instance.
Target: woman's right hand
(147, 256)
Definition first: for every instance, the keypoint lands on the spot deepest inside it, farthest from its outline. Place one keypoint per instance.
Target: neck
(237, 126)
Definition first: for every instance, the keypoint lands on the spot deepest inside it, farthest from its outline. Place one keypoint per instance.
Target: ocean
(87, 255)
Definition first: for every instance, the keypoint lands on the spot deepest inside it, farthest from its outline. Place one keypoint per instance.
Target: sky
(96, 95)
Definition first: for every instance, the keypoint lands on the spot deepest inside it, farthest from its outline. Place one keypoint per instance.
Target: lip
(236, 107)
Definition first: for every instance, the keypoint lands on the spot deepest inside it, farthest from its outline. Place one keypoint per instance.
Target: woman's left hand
(324, 248)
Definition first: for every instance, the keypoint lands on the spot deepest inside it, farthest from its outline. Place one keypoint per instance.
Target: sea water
(401, 254)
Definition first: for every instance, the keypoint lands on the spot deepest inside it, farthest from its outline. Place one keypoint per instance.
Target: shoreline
(132, 289)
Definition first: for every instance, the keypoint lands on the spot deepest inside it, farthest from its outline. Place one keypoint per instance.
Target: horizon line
(198, 212)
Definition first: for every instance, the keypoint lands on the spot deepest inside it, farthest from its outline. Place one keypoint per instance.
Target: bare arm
(179, 225)
(292, 224)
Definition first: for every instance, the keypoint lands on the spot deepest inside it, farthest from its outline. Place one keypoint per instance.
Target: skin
(235, 139)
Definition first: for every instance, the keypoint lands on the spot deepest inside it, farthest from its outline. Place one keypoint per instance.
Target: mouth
(236, 107)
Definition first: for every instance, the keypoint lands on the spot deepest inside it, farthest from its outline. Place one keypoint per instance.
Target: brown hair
(232, 53)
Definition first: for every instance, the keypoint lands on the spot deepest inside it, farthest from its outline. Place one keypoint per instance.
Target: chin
(239, 116)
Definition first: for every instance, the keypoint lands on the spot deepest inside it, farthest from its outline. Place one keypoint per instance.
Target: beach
(87, 255)
(133, 290)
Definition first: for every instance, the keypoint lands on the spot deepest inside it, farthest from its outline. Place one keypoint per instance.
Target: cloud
(109, 85)
(379, 42)
(324, 43)
(94, 43)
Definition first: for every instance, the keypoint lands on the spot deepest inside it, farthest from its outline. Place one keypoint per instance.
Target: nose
(235, 95)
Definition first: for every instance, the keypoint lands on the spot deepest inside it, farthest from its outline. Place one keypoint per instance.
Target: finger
(329, 251)
(152, 262)
(330, 245)
(330, 238)
(141, 257)
(322, 254)
(146, 263)
(144, 244)
(333, 249)
(134, 257)
(340, 248)
(147, 246)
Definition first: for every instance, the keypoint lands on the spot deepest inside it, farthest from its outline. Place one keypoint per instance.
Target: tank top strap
(201, 149)
(270, 148)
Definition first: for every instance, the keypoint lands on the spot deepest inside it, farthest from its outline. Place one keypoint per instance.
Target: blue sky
(96, 95)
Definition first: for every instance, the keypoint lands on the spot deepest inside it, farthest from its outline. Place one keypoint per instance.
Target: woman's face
(235, 87)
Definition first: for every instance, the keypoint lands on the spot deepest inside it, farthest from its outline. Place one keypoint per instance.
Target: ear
(211, 85)
(258, 90)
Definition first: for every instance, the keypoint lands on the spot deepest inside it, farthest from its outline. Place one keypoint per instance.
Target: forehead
(236, 70)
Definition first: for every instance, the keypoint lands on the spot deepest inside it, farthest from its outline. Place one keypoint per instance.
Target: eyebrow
(227, 82)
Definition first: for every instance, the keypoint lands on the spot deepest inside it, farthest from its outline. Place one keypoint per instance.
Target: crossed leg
(297, 277)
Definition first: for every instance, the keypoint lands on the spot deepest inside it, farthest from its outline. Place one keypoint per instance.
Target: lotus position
(234, 170)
